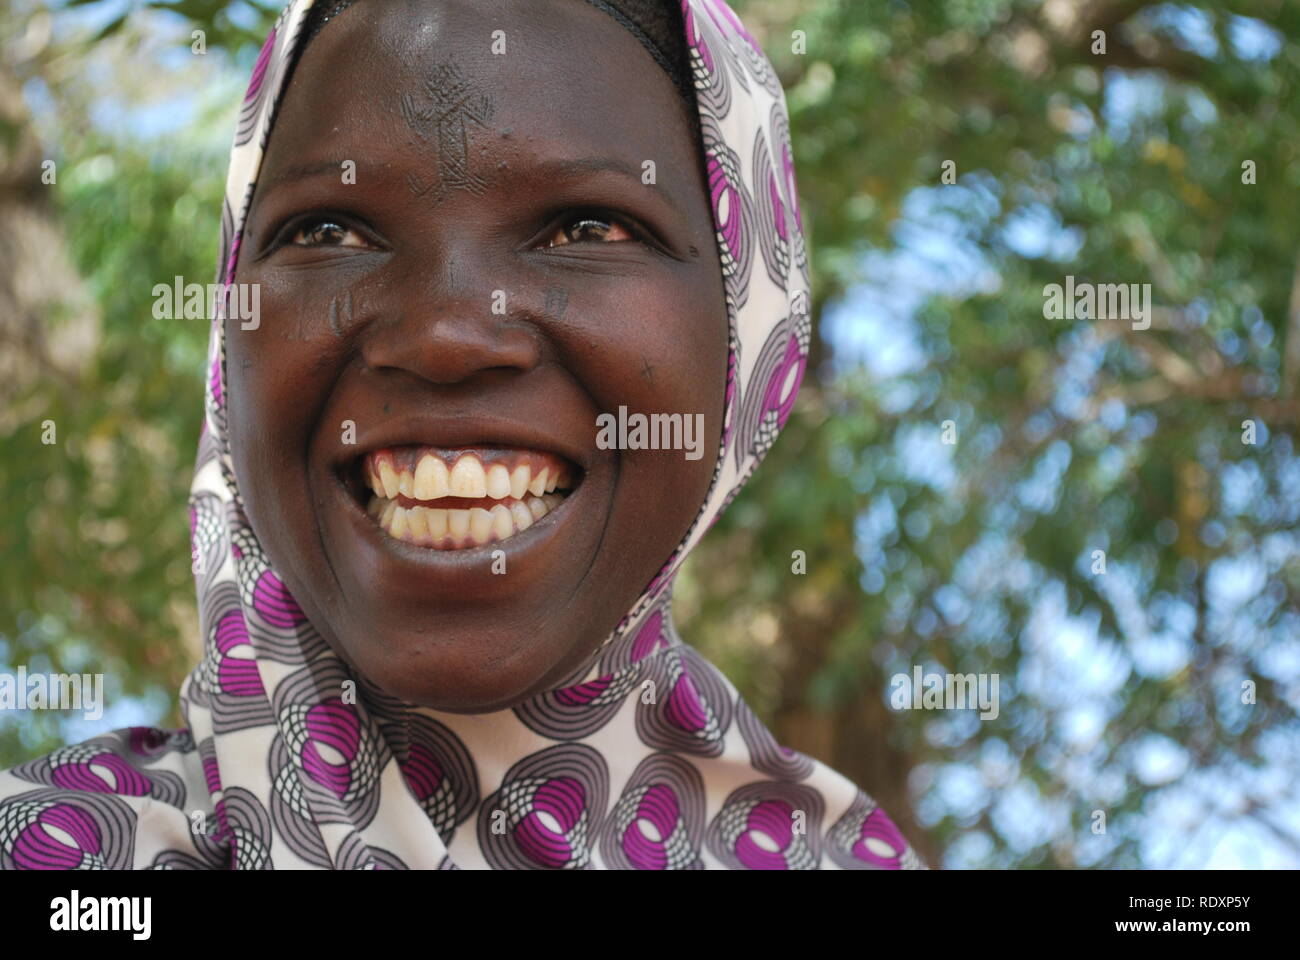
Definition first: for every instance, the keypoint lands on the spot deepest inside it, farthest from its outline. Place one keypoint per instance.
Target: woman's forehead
(523, 47)
(501, 84)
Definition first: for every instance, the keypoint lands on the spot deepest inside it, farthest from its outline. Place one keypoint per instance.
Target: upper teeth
(526, 482)
(430, 479)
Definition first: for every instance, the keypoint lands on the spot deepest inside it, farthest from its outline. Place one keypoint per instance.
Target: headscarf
(279, 768)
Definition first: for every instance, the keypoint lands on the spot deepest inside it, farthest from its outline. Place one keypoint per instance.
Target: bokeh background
(1120, 692)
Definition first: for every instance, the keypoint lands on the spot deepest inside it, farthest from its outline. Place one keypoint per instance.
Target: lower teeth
(451, 529)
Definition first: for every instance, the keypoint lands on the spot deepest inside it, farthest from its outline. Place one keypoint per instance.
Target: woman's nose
(451, 327)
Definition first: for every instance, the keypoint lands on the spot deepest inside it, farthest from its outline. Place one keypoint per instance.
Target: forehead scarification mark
(443, 113)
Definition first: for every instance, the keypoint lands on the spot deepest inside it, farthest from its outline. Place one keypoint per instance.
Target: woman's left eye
(589, 229)
(326, 233)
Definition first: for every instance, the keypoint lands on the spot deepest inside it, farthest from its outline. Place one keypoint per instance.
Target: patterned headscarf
(279, 767)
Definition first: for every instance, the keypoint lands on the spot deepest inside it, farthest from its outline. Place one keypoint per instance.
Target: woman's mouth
(455, 499)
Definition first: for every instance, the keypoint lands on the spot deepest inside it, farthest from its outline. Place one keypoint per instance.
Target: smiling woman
(471, 177)
(436, 608)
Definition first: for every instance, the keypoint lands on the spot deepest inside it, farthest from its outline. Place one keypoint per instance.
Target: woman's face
(460, 269)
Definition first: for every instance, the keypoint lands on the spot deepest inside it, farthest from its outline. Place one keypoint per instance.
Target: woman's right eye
(326, 233)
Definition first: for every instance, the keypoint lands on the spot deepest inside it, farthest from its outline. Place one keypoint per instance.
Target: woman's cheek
(666, 354)
(274, 389)
(657, 345)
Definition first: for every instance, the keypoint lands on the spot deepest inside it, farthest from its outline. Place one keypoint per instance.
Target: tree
(1073, 436)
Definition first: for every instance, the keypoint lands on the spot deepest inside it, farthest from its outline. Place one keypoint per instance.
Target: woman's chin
(471, 673)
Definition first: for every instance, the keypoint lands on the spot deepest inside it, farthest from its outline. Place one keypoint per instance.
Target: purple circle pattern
(769, 826)
(711, 77)
(108, 765)
(690, 707)
(228, 685)
(548, 811)
(325, 764)
(864, 838)
(441, 775)
(743, 47)
(733, 213)
(56, 829)
(572, 713)
(658, 822)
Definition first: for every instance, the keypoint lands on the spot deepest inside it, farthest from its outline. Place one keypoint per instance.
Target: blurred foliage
(94, 555)
(1073, 436)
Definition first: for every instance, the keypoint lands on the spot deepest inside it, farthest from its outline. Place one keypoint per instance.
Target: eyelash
(636, 234)
(306, 224)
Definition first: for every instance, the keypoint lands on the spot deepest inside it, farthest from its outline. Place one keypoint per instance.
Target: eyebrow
(570, 167)
(300, 171)
(573, 168)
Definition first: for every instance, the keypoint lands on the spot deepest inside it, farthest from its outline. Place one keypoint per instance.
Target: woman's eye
(589, 230)
(326, 233)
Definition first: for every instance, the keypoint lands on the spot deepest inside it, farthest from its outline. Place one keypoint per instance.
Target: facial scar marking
(557, 301)
(452, 104)
(347, 313)
(417, 186)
